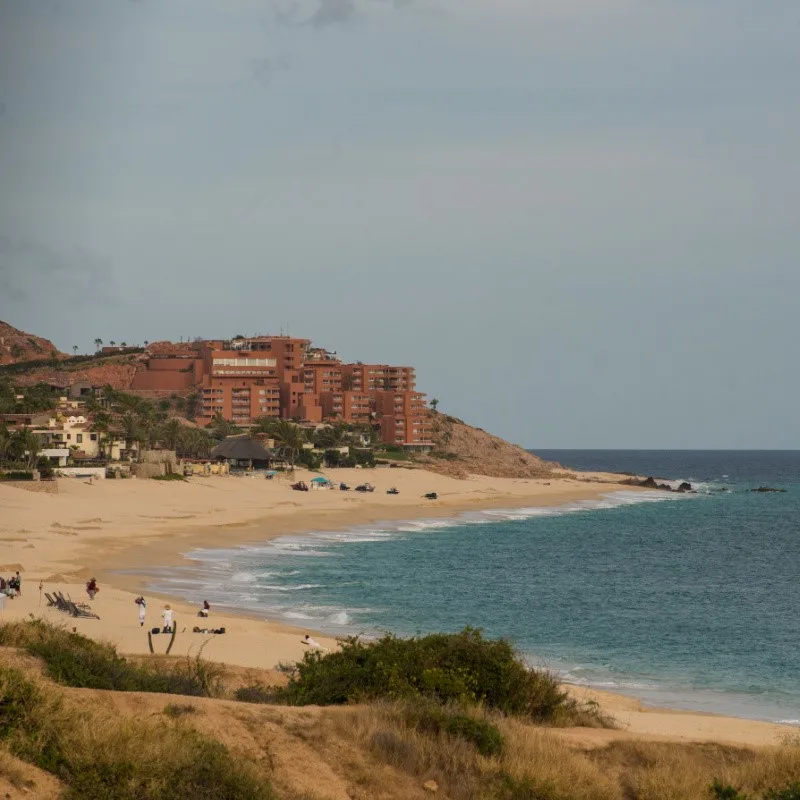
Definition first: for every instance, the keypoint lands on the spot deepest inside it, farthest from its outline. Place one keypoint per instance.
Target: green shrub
(170, 476)
(791, 792)
(461, 668)
(256, 693)
(128, 761)
(430, 717)
(17, 475)
(75, 660)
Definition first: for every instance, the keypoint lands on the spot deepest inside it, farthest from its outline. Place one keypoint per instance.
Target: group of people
(167, 614)
(11, 587)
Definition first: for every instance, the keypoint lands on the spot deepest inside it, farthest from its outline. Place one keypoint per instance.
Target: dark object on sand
(393, 490)
(764, 489)
(300, 486)
(365, 487)
(344, 487)
(431, 496)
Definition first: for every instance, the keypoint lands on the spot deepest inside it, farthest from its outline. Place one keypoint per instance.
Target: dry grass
(536, 764)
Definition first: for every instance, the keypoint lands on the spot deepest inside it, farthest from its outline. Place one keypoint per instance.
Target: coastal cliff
(461, 450)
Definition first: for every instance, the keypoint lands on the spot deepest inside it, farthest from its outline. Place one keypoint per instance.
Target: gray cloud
(30, 269)
(333, 12)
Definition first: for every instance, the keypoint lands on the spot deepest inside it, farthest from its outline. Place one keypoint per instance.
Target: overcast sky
(577, 218)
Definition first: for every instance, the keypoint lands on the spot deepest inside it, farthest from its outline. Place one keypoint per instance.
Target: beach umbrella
(271, 472)
(320, 479)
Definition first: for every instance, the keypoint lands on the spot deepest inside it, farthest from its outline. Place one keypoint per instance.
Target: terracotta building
(278, 376)
(403, 418)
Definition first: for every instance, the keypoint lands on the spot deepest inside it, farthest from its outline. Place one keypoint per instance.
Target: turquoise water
(690, 602)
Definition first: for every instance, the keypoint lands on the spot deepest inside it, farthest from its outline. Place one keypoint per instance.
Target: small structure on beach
(321, 482)
(243, 451)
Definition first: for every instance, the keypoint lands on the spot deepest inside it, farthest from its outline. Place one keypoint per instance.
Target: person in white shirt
(312, 643)
(142, 609)
(167, 615)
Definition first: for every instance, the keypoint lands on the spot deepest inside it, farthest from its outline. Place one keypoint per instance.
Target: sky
(578, 219)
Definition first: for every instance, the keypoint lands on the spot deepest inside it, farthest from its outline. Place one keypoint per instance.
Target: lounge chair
(51, 601)
(82, 612)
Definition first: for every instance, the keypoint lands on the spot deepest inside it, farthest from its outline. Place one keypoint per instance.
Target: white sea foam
(290, 588)
(795, 722)
(339, 618)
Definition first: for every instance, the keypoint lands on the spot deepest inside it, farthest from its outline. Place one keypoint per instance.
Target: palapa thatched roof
(242, 448)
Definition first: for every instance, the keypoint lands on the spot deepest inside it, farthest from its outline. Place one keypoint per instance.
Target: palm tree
(290, 439)
(169, 434)
(434, 404)
(27, 445)
(74, 350)
(98, 343)
(131, 430)
(123, 344)
(194, 443)
(101, 425)
(266, 425)
(5, 443)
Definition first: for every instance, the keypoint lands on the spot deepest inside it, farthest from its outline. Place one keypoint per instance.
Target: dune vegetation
(455, 715)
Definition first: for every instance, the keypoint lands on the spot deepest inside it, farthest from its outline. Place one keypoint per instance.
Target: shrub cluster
(720, 791)
(462, 668)
(98, 756)
(75, 660)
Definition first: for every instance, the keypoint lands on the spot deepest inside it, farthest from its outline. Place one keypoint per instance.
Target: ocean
(688, 602)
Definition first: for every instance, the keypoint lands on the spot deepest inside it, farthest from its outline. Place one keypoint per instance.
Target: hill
(460, 450)
(66, 735)
(18, 346)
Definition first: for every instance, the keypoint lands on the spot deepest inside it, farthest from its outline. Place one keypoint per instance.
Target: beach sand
(94, 530)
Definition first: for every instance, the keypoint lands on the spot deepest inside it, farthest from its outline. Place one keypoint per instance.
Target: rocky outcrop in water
(764, 489)
(652, 483)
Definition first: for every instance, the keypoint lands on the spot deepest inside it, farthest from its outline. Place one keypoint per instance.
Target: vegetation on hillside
(440, 722)
(463, 668)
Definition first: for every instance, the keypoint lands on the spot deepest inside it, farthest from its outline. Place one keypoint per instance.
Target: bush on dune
(75, 660)
(461, 668)
(96, 754)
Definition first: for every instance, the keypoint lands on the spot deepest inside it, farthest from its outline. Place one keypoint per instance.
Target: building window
(79, 438)
(93, 437)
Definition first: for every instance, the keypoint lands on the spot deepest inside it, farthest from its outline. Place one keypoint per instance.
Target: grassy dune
(78, 720)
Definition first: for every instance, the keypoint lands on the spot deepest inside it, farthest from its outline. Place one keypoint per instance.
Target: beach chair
(61, 601)
(82, 612)
(80, 605)
(51, 601)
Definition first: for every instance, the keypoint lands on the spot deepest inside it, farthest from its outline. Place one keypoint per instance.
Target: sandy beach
(95, 530)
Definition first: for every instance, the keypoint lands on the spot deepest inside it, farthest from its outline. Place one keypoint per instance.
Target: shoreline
(82, 546)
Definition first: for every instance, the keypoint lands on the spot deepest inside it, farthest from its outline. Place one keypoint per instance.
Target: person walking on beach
(312, 643)
(18, 584)
(91, 588)
(167, 615)
(203, 612)
(142, 609)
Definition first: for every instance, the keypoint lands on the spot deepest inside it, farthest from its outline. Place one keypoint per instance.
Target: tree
(434, 404)
(5, 444)
(112, 343)
(194, 443)
(98, 343)
(146, 343)
(169, 434)
(53, 359)
(27, 446)
(221, 427)
(131, 430)
(101, 425)
(74, 350)
(290, 440)
(123, 344)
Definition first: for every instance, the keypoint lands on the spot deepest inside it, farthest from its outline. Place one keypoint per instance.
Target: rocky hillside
(16, 346)
(461, 450)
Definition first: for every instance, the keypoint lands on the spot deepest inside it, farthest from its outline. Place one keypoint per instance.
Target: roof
(242, 448)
